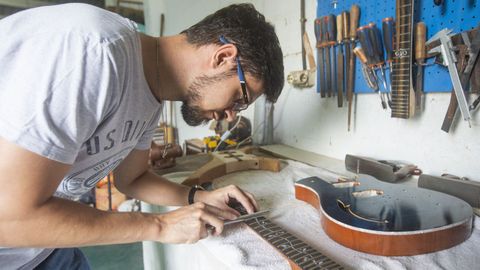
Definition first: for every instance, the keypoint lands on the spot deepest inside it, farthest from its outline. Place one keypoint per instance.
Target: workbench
(240, 248)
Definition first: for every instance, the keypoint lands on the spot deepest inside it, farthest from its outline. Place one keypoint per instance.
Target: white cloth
(73, 89)
(240, 248)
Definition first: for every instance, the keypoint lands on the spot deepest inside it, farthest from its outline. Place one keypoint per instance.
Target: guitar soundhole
(367, 193)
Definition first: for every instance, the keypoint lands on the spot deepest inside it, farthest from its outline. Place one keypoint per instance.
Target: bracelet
(191, 193)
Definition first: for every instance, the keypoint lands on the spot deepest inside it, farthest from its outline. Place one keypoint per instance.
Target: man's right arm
(31, 217)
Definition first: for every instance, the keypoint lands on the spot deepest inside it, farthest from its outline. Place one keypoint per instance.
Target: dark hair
(256, 41)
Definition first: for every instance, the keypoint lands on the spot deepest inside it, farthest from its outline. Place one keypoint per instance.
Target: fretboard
(295, 250)
(403, 98)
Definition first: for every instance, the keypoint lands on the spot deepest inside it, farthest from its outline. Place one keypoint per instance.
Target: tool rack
(459, 15)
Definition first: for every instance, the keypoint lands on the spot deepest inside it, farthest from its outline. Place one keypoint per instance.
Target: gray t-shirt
(72, 89)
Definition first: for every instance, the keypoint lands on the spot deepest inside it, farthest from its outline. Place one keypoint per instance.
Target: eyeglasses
(237, 106)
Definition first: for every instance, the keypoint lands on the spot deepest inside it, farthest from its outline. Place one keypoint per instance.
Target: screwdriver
(366, 43)
(388, 29)
(376, 36)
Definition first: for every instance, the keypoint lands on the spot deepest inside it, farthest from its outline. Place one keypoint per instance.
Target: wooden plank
(310, 158)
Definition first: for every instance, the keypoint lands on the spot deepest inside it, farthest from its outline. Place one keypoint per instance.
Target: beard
(191, 112)
(193, 115)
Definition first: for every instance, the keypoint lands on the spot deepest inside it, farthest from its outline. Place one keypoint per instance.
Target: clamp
(448, 55)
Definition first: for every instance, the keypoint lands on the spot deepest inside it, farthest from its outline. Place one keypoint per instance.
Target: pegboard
(458, 15)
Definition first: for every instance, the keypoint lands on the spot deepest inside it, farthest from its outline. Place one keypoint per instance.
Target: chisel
(354, 15)
(326, 48)
(346, 42)
(321, 72)
(340, 66)
(376, 37)
(420, 37)
(331, 35)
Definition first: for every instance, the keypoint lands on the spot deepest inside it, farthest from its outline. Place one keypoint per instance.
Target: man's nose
(230, 115)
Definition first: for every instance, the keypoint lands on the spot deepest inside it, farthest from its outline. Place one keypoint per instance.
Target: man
(80, 95)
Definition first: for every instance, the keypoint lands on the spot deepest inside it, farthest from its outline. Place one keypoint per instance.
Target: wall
(305, 121)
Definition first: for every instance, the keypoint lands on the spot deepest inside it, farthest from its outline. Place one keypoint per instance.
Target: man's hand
(222, 196)
(190, 223)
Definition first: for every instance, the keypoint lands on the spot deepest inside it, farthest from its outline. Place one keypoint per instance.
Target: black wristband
(191, 193)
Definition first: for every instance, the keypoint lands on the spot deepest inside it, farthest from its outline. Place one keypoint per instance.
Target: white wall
(304, 120)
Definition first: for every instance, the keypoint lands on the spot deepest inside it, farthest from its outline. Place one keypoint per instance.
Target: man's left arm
(133, 178)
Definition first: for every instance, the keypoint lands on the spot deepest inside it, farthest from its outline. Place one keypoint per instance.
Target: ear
(224, 56)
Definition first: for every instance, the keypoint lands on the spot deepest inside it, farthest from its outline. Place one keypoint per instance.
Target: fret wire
(322, 264)
(329, 264)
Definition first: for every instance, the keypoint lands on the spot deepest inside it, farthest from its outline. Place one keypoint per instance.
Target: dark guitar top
(387, 219)
(395, 208)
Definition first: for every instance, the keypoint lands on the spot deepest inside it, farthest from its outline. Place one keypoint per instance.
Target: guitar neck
(299, 254)
(403, 98)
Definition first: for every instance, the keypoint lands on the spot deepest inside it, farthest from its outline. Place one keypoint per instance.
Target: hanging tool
(473, 52)
(367, 44)
(326, 27)
(354, 16)
(304, 78)
(469, 50)
(420, 37)
(368, 74)
(388, 30)
(302, 33)
(340, 66)
(320, 62)
(448, 55)
(376, 39)
(331, 35)
(346, 42)
(474, 105)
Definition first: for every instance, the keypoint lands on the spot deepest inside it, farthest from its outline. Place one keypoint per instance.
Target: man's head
(242, 43)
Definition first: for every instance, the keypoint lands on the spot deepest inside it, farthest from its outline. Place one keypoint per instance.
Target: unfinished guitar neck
(225, 162)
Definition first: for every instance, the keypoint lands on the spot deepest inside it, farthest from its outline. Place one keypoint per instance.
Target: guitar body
(387, 219)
